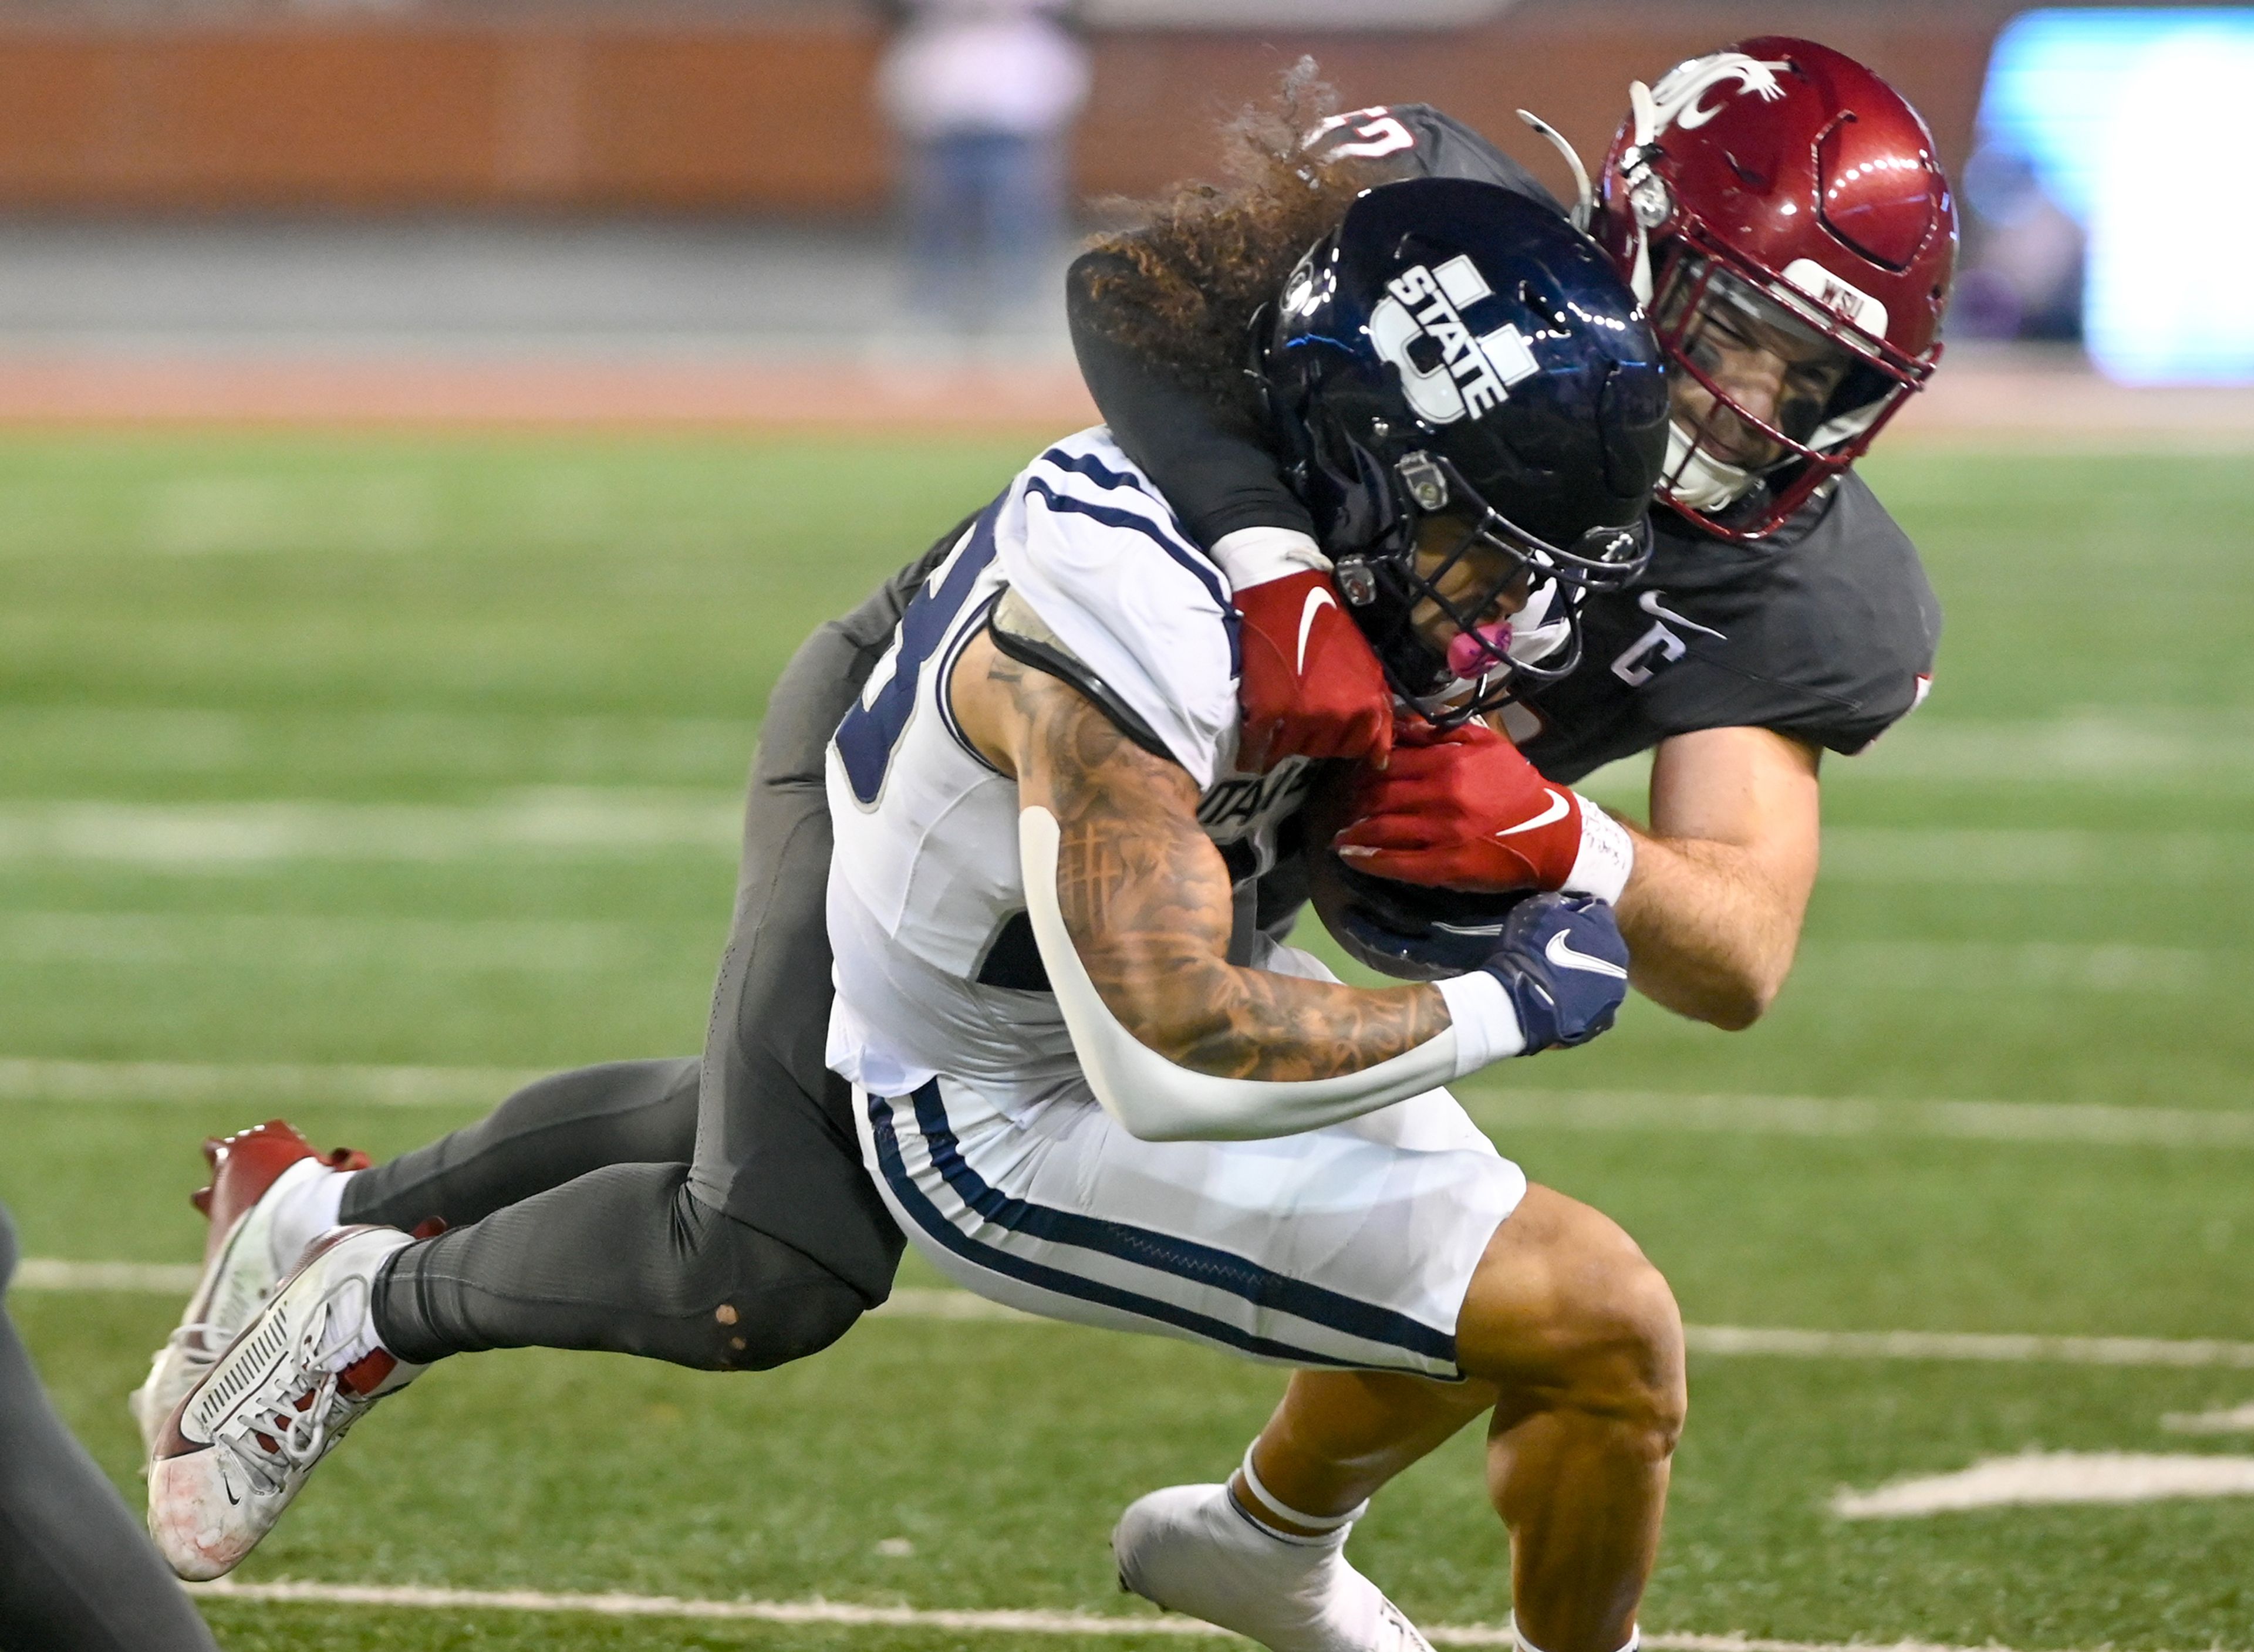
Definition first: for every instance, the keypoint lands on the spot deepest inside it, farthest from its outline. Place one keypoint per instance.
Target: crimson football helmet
(1778, 195)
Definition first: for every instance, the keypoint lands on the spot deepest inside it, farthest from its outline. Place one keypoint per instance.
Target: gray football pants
(77, 1572)
(714, 1213)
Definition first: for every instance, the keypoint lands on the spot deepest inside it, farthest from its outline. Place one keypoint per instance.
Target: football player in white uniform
(1089, 1086)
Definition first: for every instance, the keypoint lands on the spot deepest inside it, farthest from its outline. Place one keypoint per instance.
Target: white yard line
(2237, 1419)
(2127, 743)
(1986, 1348)
(1663, 1112)
(565, 821)
(916, 1302)
(2210, 751)
(1002, 1622)
(145, 740)
(267, 942)
(2046, 1478)
(152, 1279)
(258, 1085)
(547, 823)
(1930, 855)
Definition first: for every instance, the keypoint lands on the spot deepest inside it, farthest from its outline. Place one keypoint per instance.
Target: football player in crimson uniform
(714, 1213)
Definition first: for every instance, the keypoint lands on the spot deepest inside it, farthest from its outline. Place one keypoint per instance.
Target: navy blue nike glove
(1411, 932)
(1564, 966)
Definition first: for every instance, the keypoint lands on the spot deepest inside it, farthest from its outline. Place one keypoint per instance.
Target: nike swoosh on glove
(1564, 966)
(1312, 687)
(1460, 808)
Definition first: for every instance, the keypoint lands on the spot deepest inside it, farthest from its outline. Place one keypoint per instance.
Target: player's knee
(1571, 1315)
(779, 1305)
(1637, 1373)
(1622, 1354)
(789, 1324)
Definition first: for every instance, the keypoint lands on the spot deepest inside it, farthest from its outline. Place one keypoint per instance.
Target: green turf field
(411, 764)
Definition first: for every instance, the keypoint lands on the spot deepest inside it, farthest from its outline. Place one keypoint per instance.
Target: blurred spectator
(2024, 254)
(983, 93)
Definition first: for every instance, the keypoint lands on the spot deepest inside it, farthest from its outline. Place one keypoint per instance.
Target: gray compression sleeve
(551, 1131)
(625, 1259)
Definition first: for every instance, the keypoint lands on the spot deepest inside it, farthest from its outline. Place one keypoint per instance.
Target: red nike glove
(1312, 687)
(1462, 809)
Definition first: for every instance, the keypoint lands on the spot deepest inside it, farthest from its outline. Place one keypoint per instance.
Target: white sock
(358, 1337)
(351, 1335)
(307, 1198)
(1198, 1549)
(1329, 1530)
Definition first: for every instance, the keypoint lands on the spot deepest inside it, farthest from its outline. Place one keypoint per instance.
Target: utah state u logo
(1447, 372)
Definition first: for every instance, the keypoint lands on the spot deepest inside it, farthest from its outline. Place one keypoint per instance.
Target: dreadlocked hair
(1181, 283)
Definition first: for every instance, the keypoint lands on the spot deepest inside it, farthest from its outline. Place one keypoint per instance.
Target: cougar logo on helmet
(1677, 100)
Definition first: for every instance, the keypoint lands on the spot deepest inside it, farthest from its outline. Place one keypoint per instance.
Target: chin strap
(1536, 632)
(1697, 480)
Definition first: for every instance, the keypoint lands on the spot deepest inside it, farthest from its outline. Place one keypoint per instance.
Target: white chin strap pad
(1156, 1100)
(1535, 634)
(1699, 480)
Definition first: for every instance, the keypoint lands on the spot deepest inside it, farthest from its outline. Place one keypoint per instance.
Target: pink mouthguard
(1476, 652)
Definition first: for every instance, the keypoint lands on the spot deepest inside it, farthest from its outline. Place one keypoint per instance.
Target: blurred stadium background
(426, 428)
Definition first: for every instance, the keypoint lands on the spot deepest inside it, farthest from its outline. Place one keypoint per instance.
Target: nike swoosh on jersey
(1316, 598)
(1556, 811)
(1649, 603)
(1562, 952)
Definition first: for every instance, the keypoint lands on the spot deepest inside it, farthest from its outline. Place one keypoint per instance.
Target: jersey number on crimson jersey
(873, 726)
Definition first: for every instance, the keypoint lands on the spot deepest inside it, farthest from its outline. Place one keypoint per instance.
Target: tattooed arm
(1146, 898)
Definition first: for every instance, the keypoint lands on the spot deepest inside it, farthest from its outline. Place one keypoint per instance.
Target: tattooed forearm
(1147, 899)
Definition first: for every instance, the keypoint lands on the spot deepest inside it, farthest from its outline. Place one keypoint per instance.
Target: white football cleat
(252, 1171)
(239, 1447)
(1190, 1549)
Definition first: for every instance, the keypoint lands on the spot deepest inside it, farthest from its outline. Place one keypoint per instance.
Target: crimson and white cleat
(237, 1450)
(1190, 1549)
(252, 1172)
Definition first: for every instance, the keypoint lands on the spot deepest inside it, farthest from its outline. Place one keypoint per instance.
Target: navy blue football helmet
(1454, 349)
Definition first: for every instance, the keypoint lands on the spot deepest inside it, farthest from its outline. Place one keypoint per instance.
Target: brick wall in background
(703, 112)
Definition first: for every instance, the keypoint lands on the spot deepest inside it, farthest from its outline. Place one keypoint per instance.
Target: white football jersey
(937, 970)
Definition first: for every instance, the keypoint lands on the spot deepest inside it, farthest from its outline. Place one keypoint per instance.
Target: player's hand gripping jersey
(937, 970)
